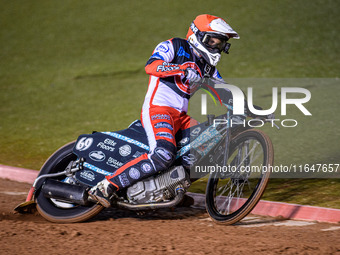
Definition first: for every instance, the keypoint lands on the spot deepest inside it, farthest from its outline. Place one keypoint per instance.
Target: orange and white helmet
(205, 27)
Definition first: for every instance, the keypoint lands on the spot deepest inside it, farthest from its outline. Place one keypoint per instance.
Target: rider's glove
(192, 75)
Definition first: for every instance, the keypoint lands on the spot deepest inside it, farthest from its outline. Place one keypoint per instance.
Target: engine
(159, 188)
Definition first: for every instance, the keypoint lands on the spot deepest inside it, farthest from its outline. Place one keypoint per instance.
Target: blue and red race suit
(165, 108)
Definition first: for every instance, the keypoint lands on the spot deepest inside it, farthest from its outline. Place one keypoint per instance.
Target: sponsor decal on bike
(196, 131)
(88, 175)
(165, 134)
(164, 125)
(84, 143)
(127, 139)
(146, 168)
(164, 154)
(110, 142)
(160, 117)
(202, 147)
(96, 169)
(124, 180)
(204, 142)
(105, 147)
(108, 145)
(138, 154)
(125, 150)
(183, 150)
(134, 173)
(114, 163)
(97, 156)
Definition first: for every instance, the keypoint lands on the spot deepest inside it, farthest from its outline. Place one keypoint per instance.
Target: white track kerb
(264, 208)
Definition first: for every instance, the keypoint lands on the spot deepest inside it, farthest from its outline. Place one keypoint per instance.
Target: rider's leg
(187, 121)
(161, 124)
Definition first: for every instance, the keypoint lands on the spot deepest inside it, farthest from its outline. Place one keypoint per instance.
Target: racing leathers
(165, 108)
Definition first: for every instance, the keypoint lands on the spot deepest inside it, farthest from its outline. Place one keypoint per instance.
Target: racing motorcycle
(229, 152)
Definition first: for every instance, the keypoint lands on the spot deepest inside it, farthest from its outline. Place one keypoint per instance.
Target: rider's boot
(102, 192)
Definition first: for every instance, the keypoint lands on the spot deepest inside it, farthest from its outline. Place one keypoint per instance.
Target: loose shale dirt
(183, 230)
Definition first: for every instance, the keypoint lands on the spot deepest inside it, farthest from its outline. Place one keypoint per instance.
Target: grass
(69, 67)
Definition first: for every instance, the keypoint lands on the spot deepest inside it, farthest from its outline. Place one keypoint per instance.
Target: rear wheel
(231, 195)
(58, 211)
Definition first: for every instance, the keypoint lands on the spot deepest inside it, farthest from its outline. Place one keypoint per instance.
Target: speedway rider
(173, 66)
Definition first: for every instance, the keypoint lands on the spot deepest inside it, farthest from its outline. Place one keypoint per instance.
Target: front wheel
(231, 195)
(58, 211)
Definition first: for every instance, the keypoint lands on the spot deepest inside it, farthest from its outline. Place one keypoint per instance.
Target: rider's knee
(163, 157)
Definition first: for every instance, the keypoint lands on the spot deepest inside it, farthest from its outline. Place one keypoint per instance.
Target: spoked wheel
(59, 211)
(232, 194)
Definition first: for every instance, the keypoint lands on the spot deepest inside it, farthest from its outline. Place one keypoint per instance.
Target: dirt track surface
(180, 231)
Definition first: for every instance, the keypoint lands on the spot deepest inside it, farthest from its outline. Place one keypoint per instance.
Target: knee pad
(162, 158)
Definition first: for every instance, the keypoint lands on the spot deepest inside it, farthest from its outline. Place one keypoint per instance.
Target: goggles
(214, 47)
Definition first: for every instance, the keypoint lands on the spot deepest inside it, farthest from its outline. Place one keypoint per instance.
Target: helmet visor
(216, 43)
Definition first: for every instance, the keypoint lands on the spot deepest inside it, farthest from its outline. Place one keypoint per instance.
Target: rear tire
(48, 208)
(231, 196)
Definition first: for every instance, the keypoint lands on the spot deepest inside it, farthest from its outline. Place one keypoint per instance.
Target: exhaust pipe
(65, 192)
(79, 195)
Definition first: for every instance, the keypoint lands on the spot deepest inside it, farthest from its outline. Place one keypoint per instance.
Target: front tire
(51, 209)
(231, 196)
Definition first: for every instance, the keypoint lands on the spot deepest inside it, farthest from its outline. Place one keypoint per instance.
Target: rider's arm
(159, 64)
